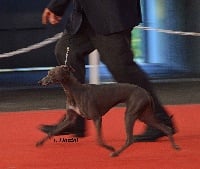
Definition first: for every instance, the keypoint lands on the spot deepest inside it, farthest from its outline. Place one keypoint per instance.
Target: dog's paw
(176, 147)
(111, 148)
(108, 147)
(114, 154)
(39, 144)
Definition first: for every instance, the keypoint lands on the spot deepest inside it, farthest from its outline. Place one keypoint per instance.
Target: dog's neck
(70, 85)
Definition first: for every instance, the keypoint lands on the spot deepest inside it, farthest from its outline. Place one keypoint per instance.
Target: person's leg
(116, 54)
(72, 49)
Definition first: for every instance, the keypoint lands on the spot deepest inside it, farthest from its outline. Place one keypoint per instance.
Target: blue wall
(175, 51)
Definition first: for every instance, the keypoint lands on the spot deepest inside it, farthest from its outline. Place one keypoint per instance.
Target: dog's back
(106, 96)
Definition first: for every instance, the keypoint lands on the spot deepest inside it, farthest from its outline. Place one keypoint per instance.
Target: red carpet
(19, 134)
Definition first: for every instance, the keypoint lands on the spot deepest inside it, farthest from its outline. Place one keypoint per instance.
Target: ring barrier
(58, 35)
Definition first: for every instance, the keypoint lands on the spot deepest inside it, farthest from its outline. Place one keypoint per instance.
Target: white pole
(94, 67)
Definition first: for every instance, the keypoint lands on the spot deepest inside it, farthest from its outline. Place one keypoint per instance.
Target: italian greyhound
(93, 101)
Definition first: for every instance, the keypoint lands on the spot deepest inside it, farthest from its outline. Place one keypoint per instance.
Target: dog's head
(57, 75)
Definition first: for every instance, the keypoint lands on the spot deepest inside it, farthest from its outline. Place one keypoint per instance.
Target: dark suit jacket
(105, 16)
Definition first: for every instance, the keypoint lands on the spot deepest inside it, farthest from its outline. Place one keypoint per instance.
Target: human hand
(50, 17)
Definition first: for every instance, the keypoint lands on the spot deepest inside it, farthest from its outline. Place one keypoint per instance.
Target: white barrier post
(94, 67)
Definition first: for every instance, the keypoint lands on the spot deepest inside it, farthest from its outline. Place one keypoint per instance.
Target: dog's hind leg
(168, 131)
(149, 118)
(129, 123)
(98, 123)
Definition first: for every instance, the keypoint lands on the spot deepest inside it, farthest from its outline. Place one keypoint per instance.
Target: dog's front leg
(98, 123)
(59, 128)
(70, 119)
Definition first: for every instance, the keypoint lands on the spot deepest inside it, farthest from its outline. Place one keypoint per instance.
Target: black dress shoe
(152, 134)
(70, 130)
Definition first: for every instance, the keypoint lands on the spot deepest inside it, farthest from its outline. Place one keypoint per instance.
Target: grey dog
(93, 101)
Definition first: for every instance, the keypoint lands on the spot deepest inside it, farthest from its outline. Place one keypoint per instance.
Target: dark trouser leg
(115, 52)
(79, 47)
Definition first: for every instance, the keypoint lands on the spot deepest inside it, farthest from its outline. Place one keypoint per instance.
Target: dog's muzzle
(45, 81)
